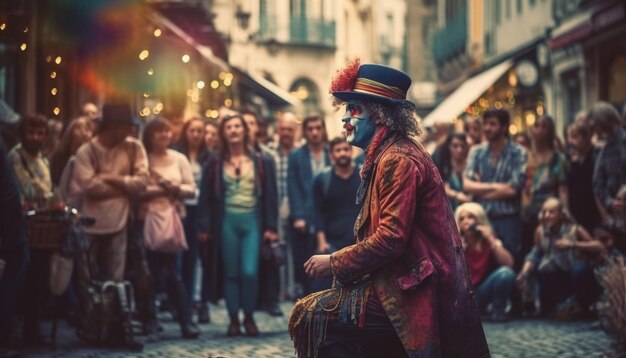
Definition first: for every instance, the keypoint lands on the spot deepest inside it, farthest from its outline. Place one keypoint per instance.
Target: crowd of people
(536, 215)
(240, 200)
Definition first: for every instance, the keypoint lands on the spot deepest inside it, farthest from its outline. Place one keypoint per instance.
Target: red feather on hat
(345, 78)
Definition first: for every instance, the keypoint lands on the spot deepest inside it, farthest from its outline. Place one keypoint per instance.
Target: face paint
(359, 126)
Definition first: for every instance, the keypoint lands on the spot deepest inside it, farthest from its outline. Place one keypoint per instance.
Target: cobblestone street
(525, 338)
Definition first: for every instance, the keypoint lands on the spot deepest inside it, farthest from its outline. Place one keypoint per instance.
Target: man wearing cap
(404, 288)
(109, 169)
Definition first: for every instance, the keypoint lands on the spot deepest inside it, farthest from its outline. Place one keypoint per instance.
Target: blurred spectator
(286, 128)
(473, 127)
(193, 147)
(269, 274)
(91, 111)
(304, 164)
(451, 164)
(211, 139)
(495, 175)
(581, 159)
(109, 170)
(77, 132)
(610, 169)
(546, 176)
(523, 139)
(176, 124)
(556, 258)
(334, 195)
(170, 182)
(490, 263)
(439, 134)
(55, 129)
(14, 253)
(33, 179)
(237, 211)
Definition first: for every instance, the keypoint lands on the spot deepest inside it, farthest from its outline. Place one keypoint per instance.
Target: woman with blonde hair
(489, 261)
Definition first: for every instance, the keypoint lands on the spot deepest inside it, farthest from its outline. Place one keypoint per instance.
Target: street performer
(403, 289)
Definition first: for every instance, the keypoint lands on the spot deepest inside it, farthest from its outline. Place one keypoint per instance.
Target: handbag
(274, 252)
(163, 230)
(61, 269)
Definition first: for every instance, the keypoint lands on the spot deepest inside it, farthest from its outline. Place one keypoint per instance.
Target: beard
(343, 162)
(32, 147)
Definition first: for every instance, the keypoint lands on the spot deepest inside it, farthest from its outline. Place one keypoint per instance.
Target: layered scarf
(380, 142)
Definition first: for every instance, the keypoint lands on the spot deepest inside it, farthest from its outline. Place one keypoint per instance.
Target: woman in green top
(237, 210)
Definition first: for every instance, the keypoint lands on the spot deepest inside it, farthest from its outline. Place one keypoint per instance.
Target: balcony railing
(298, 30)
(451, 40)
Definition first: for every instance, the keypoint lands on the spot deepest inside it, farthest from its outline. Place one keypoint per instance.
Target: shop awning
(575, 29)
(466, 94)
(274, 95)
(204, 50)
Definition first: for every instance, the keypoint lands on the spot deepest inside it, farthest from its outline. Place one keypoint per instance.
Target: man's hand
(270, 235)
(300, 225)
(318, 266)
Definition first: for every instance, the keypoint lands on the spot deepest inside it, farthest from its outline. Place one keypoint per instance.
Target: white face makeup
(359, 126)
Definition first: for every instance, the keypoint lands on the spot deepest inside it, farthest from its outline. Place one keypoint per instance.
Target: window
(508, 8)
(497, 12)
(519, 6)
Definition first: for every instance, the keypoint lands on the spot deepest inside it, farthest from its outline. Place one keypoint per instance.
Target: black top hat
(116, 113)
(378, 83)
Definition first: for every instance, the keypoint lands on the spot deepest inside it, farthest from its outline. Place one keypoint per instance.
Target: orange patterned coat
(408, 242)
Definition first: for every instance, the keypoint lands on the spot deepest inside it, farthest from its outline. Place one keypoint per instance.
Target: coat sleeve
(600, 179)
(294, 187)
(188, 185)
(270, 197)
(318, 199)
(86, 176)
(204, 207)
(396, 182)
(138, 181)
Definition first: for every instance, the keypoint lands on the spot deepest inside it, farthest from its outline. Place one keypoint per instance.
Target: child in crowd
(489, 261)
(557, 258)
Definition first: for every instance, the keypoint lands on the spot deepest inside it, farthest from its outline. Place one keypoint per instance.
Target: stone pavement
(524, 338)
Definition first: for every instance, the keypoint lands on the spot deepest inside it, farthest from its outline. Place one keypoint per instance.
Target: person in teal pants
(237, 211)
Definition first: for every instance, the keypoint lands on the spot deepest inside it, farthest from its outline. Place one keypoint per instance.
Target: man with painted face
(403, 289)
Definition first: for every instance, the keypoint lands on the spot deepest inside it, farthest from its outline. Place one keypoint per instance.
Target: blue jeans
(241, 246)
(496, 289)
(509, 230)
(556, 286)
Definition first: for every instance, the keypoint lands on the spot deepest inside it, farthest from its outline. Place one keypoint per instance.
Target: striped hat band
(365, 85)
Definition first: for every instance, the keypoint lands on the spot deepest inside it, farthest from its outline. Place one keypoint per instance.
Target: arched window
(306, 90)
